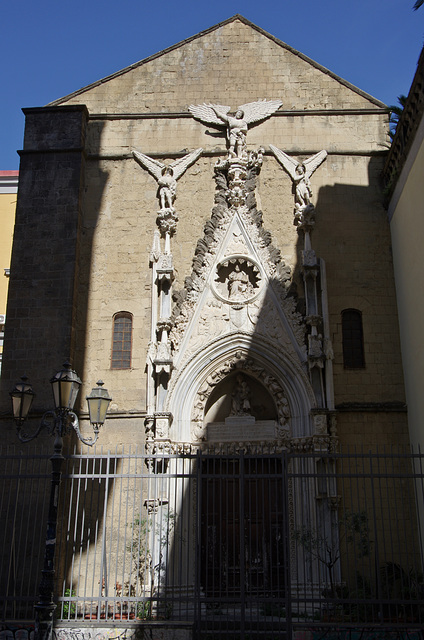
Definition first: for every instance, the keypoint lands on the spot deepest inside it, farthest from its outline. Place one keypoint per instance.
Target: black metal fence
(236, 544)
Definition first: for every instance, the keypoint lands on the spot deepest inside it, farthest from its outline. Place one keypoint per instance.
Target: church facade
(213, 240)
(205, 231)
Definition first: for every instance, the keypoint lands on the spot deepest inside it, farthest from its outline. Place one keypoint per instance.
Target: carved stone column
(159, 360)
(310, 272)
(165, 276)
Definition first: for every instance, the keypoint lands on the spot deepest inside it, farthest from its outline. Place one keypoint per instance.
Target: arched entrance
(240, 404)
(283, 383)
(242, 518)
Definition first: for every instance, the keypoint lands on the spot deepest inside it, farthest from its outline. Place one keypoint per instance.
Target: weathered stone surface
(87, 214)
(44, 266)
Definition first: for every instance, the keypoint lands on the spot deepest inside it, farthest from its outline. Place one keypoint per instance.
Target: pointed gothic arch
(283, 378)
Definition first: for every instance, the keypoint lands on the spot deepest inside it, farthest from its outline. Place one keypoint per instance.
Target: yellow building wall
(406, 212)
(8, 196)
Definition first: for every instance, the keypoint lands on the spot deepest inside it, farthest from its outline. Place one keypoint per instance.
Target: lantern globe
(21, 396)
(98, 403)
(65, 386)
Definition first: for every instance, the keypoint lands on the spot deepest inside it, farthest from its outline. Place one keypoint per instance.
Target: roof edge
(406, 130)
(318, 66)
(233, 18)
(158, 54)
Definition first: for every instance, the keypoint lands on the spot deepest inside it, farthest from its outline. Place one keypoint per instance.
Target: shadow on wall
(52, 247)
(141, 569)
(48, 299)
(128, 528)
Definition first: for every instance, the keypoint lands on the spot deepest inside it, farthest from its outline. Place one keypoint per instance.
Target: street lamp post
(58, 423)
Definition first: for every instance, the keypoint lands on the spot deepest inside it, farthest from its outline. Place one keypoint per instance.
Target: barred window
(353, 339)
(122, 340)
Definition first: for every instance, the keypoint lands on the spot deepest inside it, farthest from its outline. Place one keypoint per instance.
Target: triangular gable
(83, 94)
(239, 281)
(214, 310)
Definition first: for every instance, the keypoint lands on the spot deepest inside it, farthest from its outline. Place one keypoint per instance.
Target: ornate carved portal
(240, 289)
(238, 371)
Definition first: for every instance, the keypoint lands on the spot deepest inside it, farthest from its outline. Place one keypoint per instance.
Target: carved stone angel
(167, 175)
(300, 173)
(237, 125)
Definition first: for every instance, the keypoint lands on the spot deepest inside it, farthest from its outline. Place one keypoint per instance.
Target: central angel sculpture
(236, 125)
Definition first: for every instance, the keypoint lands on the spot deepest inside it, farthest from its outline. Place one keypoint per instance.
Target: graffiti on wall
(26, 632)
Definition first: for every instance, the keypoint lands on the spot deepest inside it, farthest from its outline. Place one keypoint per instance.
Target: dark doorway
(243, 530)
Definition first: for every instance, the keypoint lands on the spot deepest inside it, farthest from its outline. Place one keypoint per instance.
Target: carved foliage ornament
(206, 250)
(235, 172)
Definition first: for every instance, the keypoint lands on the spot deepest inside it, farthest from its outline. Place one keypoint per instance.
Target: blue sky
(50, 48)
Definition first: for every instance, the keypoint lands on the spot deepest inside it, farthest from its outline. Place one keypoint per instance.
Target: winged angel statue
(167, 175)
(300, 173)
(237, 125)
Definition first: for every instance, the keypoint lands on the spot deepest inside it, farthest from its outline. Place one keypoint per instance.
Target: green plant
(355, 601)
(351, 528)
(140, 555)
(144, 610)
(273, 609)
(68, 606)
(396, 111)
(405, 588)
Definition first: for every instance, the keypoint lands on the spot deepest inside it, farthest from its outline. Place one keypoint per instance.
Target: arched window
(353, 339)
(122, 340)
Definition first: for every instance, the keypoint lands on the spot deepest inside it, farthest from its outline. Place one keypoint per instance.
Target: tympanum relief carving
(237, 280)
(241, 398)
(235, 232)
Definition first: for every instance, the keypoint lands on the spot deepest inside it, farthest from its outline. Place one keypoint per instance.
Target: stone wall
(88, 209)
(44, 266)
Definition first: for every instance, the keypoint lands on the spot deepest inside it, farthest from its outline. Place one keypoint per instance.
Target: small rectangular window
(353, 340)
(122, 341)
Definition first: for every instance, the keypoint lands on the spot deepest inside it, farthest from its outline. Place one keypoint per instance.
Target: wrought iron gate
(233, 544)
(243, 568)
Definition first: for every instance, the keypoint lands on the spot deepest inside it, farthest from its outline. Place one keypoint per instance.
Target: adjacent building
(8, 194)
(403, 175)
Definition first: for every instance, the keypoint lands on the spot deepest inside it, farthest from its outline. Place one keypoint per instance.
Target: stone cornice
(216, 153)
(372, 407)
(279, 114)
